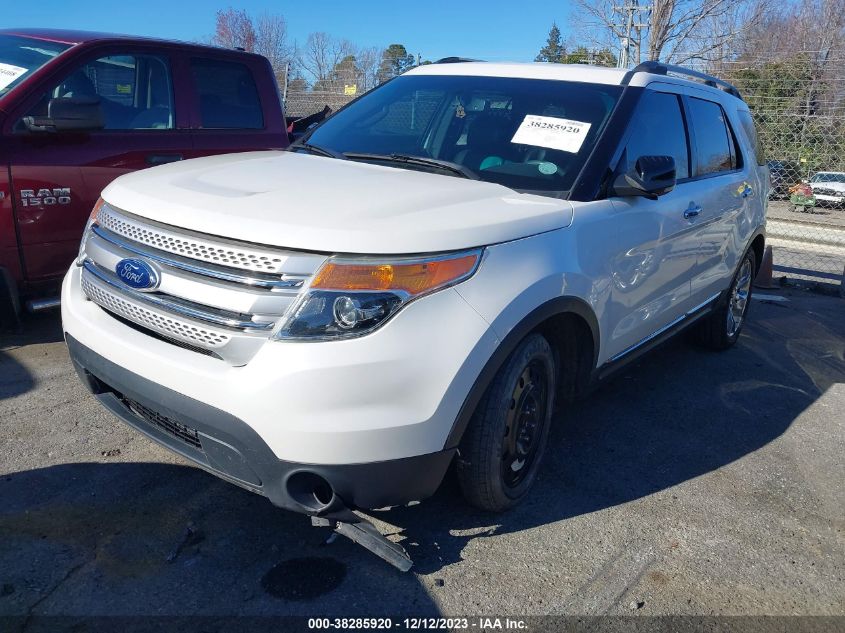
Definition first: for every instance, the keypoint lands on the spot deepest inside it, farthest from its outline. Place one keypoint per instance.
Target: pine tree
(395, 60)
(553, 51)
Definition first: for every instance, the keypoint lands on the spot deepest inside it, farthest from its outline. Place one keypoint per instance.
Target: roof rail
(659, 68)
(455, 60)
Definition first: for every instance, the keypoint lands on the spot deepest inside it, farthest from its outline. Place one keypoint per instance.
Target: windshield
(828, 177)
(527, 134)
(21, 56)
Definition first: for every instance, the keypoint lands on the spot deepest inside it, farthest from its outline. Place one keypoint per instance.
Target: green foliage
(794, 112)
(395, 60)
(582, 55)
(554, 51)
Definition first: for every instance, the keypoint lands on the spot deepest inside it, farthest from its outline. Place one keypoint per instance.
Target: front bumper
(227, 447)
(832, 199)
(391, 394)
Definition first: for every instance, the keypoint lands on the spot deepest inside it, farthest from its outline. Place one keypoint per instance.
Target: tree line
(322, 63)
(786, 58)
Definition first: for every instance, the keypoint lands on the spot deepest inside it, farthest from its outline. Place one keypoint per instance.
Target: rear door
(236, 105)
(57, 177)
(725, 189)
(656, 250)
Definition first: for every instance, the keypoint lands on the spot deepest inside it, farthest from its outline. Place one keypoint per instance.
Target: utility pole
(632, 26)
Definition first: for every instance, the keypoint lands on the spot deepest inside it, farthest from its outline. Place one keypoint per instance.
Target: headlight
(80, 257)
(353, 296)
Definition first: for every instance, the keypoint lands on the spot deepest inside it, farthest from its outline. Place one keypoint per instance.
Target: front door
(58, 176)
(656, 248)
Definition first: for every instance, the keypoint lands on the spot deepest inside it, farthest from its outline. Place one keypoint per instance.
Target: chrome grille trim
(215, 272)
(217, 318)
(157, 322)
(193, 245)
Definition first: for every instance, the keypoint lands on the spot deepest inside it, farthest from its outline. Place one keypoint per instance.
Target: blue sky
(489, 29)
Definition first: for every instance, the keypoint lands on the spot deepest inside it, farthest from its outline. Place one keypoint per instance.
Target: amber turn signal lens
(96, 210)
(413, 278)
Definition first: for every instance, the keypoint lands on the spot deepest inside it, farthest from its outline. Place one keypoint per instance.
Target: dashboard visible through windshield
(527, 134)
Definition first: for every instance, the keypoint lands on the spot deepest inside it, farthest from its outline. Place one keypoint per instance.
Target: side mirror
(650, 177)
(69, 114)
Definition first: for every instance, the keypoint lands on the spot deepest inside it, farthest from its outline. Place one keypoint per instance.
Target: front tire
(721, 330)
(503, 446)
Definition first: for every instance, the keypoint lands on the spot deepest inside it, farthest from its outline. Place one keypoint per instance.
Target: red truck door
(236, 105)
(58, 176)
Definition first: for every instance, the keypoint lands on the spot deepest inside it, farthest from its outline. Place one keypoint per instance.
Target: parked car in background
(829, 187)
(783, 174)
(420, 281)
(79, 109)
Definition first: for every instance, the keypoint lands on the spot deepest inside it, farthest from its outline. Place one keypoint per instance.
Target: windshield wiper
(316, 149)
(443, 165)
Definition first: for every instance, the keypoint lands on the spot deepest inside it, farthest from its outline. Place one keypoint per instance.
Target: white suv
(421, 280)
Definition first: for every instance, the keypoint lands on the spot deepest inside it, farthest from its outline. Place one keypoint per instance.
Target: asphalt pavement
(694, 483)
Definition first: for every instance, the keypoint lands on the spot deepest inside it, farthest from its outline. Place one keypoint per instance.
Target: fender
(553, 307)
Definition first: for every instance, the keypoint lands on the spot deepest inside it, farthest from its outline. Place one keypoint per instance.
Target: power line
(632, 39)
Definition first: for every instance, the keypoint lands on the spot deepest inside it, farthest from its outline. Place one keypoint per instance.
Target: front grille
(166, 339)
(194, 246)
(215, 296)
(176, 328)
(176, 429)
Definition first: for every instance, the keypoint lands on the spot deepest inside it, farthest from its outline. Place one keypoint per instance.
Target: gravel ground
(693, 483)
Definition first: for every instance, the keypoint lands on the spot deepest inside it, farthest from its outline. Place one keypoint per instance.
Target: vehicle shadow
(15, 379)
(136, 538)
(677, 414)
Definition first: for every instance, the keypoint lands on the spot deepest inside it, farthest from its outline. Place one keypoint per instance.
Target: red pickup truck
(79, 109)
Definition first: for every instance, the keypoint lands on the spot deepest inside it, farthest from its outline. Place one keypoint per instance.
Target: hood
(300, 201)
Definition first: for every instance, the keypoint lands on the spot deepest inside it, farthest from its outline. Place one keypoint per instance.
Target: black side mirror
(650, 177)
(69, 114)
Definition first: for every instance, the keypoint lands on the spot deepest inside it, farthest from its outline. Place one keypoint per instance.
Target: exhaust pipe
(311, 491)
(316, 495)
(39, 305)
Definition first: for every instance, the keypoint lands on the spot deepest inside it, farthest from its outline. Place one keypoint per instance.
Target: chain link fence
(798, 103)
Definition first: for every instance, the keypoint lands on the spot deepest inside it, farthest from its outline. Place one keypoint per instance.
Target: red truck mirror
(69, 114)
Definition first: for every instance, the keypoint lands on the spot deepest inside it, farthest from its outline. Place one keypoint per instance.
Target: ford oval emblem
(137, 274)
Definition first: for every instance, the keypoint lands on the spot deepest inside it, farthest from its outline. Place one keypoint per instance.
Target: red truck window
(228, 97)
(135, 91)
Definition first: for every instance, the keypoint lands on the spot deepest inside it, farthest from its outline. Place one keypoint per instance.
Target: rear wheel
(721, 329)
(503, 446)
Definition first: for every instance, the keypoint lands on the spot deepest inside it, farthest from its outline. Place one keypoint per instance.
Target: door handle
(162, 159)
(693, 211)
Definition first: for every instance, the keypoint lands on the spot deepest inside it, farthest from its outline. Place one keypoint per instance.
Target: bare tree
(271, 40)
(368, 59)
(677, 31)
(234, 29)
(321, 54)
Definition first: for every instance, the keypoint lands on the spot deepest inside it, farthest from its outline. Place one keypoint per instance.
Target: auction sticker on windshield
(551, 132)
(8, 73)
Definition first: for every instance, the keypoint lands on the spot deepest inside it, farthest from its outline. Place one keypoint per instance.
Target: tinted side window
(658, 130)
(712, 138)
(227, 94)
(135, 91)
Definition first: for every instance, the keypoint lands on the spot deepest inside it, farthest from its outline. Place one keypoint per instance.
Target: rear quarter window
(228, 97)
